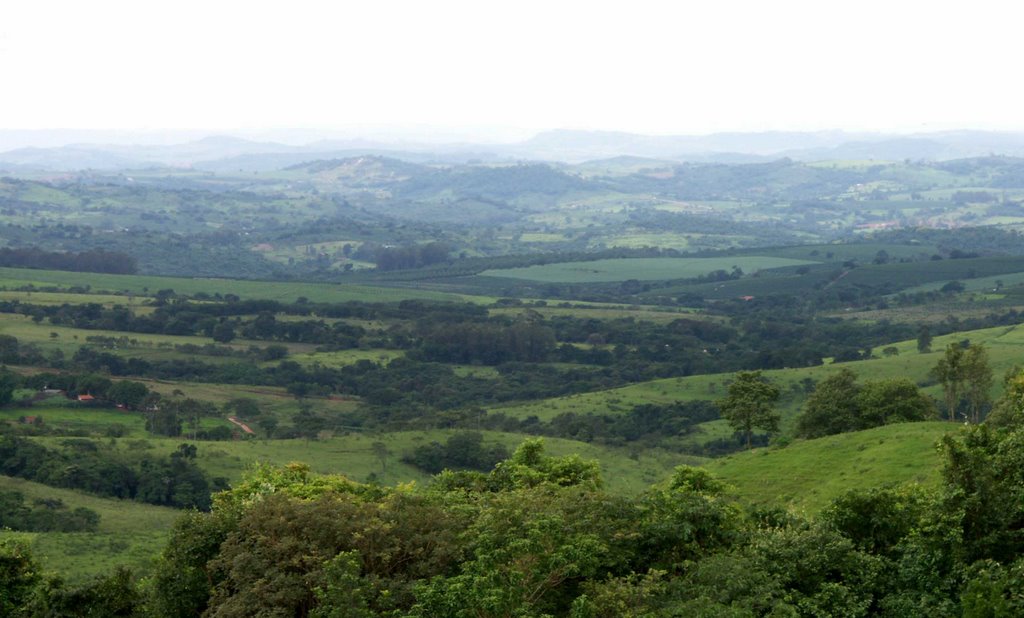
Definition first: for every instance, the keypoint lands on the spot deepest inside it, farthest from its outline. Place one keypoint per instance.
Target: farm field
(644, 269)
(284, 291)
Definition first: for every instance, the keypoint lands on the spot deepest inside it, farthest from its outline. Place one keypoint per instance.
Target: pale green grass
(978, 284)
(1005, 347)
(646, 269)
(624, 470)
(342, 358)
(142, 345)
(79, 417)
(806, 475)
(284, 291)
(60, 298)
(541, 237)
(130, 533)
(647, 314)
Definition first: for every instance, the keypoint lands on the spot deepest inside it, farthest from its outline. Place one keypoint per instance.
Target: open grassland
(272, 399)
(146, 346)
(895, 277)
(342, 358)
(861, 252)
(647, 269)
(610, 312)
(976, 284)
(806, 475)
(285, 291)
(1005, 348)
(907, 275)
(73, 416)
(624, 470)
(130, 533)
(136, 303)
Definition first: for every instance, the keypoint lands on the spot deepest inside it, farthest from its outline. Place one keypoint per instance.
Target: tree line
(91, 261)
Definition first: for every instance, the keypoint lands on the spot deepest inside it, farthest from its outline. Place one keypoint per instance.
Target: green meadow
(644, 269)
(807, 474)
(625, 470)
(285, 291)
(130, 533)
(1005, 348)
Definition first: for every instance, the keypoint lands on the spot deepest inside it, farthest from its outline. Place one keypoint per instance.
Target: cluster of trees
(840, 404)
(44, 515)
(174, 480)
(462, 451)
(539, 536)
(488, 343)
(750, 404)
(966, 379)
(91, 261)
(648, 423)
(411, 256)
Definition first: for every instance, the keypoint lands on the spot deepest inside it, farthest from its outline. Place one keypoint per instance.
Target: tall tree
(924, 339)
(832, 407)
(895, 400)
(949, 371)
(977, 380)
(750, 404)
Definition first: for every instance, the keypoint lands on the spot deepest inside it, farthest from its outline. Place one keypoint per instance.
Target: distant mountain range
(228, 154)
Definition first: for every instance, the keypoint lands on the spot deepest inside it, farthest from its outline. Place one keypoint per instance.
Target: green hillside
(129, 533)
(1005, 347)
(641, 268)
(806, 475)
(285, 291)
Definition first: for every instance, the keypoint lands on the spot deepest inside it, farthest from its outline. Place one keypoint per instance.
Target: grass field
(644, 269)
(648, 314)
(625, 470)
(60, 298)
(130, 533)
(806, 475)
(285, 291)
(1005, 348)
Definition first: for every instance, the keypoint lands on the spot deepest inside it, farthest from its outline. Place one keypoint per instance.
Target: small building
(86, 397)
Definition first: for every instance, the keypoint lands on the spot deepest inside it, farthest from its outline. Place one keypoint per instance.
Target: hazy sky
(652, 67)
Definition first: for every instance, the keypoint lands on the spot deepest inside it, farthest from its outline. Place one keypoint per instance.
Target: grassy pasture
(625, 471)
(61, 298)
(975, 284)
(1005, 347)
(909, 274)
(284, 291)
(342, 358)
(806, 475)
(75, 416)
(142, 345)
(897, 276)
(648, 314)
(130, 533)
(861, 252)
(648, 269)
(270, 398)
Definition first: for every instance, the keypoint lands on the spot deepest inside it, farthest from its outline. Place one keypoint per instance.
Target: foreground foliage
(539, 536)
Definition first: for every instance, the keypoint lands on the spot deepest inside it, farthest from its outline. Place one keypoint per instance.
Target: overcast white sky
(650, 67)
